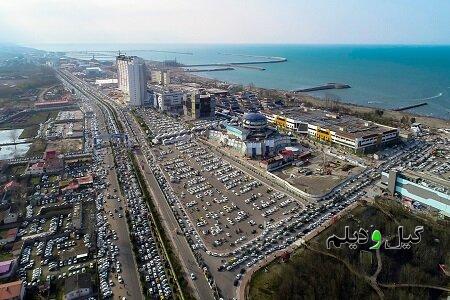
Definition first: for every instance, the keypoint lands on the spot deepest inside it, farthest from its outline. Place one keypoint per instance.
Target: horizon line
(228, 43)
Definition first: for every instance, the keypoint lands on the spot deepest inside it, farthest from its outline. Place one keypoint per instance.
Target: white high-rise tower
(132, 77)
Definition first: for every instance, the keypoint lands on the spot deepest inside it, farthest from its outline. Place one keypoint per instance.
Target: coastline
(293, 99)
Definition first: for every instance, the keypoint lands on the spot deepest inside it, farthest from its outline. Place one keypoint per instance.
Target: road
(187, 259)
(131, 287)
(243, 285)
(201, 286)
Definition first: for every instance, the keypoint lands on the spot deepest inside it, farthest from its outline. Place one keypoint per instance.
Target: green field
(25, 78)
(314, 272)
(29, 122)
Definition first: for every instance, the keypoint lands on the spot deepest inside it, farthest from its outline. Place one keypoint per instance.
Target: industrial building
(132, 78)
(344, 130)
(252, 137)
(426, 189)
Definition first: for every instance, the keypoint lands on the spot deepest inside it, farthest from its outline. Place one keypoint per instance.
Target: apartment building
(132, 79)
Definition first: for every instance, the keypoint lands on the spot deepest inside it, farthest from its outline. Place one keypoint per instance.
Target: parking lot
(227, 206)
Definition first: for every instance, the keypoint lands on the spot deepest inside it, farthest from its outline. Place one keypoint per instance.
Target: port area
(327, 86)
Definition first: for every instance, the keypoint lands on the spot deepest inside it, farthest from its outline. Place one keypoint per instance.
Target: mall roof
(254, 117)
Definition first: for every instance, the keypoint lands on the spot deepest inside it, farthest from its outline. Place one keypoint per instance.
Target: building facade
(199, 105)
(169, 100)
(160, 77)
(430, 191)
(252, 138)
(132, 79)
(287, 123)
(349, 132)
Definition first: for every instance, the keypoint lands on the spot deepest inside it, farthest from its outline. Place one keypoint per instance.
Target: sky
(225, 21)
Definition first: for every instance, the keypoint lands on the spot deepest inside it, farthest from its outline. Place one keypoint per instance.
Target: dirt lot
(65, 146)
(312, 178)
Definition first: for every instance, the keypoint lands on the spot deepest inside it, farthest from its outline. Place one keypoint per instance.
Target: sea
(387, 76)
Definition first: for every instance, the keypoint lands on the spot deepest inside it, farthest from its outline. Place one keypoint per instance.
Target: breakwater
(411, 106)
(328, 86)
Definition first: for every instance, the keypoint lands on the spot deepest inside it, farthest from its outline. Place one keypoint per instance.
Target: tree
(379, 112)
(404, 120)
(14, 136)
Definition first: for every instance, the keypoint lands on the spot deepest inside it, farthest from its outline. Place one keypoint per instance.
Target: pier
(328, 86)
(240, 64)
(269, 60)
(209, 70)
(410, 106)
(250, 67)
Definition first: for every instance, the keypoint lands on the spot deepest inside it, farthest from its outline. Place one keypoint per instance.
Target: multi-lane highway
(129, 285)
(130, 288)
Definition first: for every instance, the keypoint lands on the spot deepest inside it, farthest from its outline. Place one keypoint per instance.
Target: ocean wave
(428, 98)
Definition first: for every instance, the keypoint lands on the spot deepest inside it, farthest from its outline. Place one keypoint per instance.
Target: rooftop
(78, 281)
(431, 181)
(11, 290)
(255, 117)
(5, 266)
(9, 233)
(345, 125)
